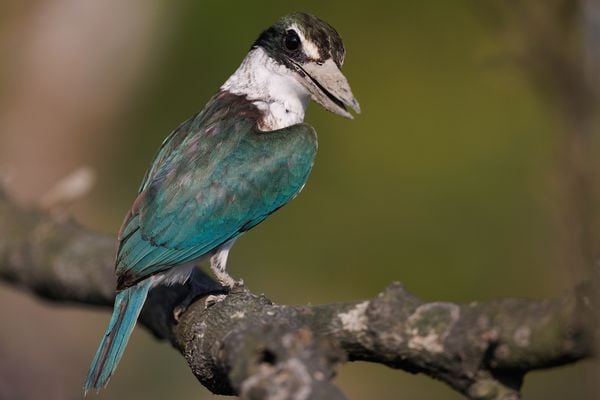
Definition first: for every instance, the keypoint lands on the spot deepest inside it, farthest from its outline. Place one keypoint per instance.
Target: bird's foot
(226, 280)
(218, 263)
(182, 307)
(178, 311)
(214, 299)
(237, 284)
(198, 288)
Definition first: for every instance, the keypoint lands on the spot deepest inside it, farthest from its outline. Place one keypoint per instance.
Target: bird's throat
(272, 87)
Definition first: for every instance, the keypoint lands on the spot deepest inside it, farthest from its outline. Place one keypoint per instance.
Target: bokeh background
(462, 178)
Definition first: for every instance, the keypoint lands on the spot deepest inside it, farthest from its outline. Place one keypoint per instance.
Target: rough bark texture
(247, 345)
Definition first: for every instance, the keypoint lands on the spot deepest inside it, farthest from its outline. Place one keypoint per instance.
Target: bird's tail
(128, 304)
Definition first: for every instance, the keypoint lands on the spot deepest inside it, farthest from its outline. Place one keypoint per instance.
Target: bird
(225, 170)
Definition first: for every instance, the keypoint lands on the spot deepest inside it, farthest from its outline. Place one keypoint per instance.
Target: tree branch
(249, 346)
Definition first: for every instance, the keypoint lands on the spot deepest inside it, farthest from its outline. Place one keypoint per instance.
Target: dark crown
(317, 31)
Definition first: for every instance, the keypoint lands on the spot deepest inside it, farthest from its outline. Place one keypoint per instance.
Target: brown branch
(249, 346)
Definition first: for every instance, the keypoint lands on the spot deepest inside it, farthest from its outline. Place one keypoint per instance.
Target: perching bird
(225, 170)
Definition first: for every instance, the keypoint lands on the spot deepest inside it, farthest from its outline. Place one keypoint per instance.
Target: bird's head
(313, 53)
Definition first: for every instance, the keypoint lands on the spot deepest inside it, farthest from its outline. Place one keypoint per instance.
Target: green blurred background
(445, 182)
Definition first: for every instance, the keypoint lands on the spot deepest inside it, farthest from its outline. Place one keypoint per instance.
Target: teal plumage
(225, 170)
(214, 177)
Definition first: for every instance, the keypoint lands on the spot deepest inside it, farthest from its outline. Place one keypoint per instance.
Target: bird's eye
(292, 40)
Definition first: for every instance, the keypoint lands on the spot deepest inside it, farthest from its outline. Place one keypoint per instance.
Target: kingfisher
(225, 170)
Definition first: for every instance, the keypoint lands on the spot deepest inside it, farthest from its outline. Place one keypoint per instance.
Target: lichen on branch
(249, 346)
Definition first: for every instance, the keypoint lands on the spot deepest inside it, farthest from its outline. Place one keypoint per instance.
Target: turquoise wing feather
(214, 177)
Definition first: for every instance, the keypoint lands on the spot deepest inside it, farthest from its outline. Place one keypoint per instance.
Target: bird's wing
(207, 189)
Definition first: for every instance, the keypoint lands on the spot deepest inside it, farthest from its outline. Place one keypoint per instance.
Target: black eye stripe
(291, 40)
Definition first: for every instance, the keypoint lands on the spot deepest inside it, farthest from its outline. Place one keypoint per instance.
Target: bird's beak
(328, 87)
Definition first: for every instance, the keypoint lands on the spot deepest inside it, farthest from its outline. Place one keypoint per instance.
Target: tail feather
(128, 304)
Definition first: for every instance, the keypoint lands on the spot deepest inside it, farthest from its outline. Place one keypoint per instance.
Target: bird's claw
(213, 299)
(178, 312)
(237, 284)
